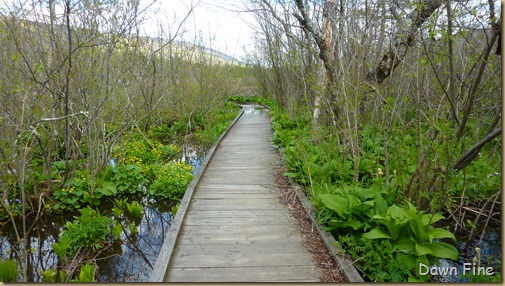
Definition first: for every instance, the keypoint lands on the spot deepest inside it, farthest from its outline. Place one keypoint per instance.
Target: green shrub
(169, 152)
(8, 271)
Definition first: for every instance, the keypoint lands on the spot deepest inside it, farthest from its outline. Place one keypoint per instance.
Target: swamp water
(131, 259)
(490, 256)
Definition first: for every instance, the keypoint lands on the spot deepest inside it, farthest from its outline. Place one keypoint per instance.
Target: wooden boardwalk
(235, 229)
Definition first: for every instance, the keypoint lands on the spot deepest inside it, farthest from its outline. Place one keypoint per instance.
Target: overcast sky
(218, 22)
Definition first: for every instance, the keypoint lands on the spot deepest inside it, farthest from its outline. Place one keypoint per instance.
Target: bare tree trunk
(452, 84)
(473, 90)
(322, 77)
(403, 40)
(472, 153)
(319, 37)
(67, 92)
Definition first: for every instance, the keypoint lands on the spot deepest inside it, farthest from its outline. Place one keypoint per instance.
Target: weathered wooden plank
(253, 123)
(245, 274)
(245, 187)
(210, 194)
(236, 222)
(259, 247)
(239, 167)
(233, 159)
(230, 193)
(246, 207)
(237, 228)
(229, 162)
(233, 201)
(238, 214)
(240, 260)
(246, 130)
(217, 173)
(242, 158)
(234, 164)
(239, 237)
(245, 179)
(257, 152)
(252, 126)
(245, 144)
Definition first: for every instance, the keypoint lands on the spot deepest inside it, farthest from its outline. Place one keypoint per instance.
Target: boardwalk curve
(234, 228)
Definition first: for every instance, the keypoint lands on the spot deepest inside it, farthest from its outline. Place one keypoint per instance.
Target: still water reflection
(129, 260)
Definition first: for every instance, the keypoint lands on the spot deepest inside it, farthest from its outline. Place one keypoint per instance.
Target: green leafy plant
(116, 231)
(86, 232)
(133, 228)
(119, 206)
(412, 232)
(77, 193)
(175, 208)
(133, 213)
(217, 124)
(377, 259)
(351, 208)
(169, 152)
(128, 179)
(53, 275)
(163, 133)
(8, 271)
(138, 151)
(4, 215)
(172, 181)
(72, 194)
(134, 208)
(352, 197)
(86, 274)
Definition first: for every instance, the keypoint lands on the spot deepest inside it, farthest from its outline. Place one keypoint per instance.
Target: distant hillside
(215, 54)
(149, 43)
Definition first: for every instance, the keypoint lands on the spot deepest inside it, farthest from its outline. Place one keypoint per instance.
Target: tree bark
(473, 90)
(322, 73)
(66, 131)
(319, 38)
(473, 152)
(403, 40)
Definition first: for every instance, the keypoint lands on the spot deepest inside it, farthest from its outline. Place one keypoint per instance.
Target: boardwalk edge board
(163, 260)
(346, 267)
